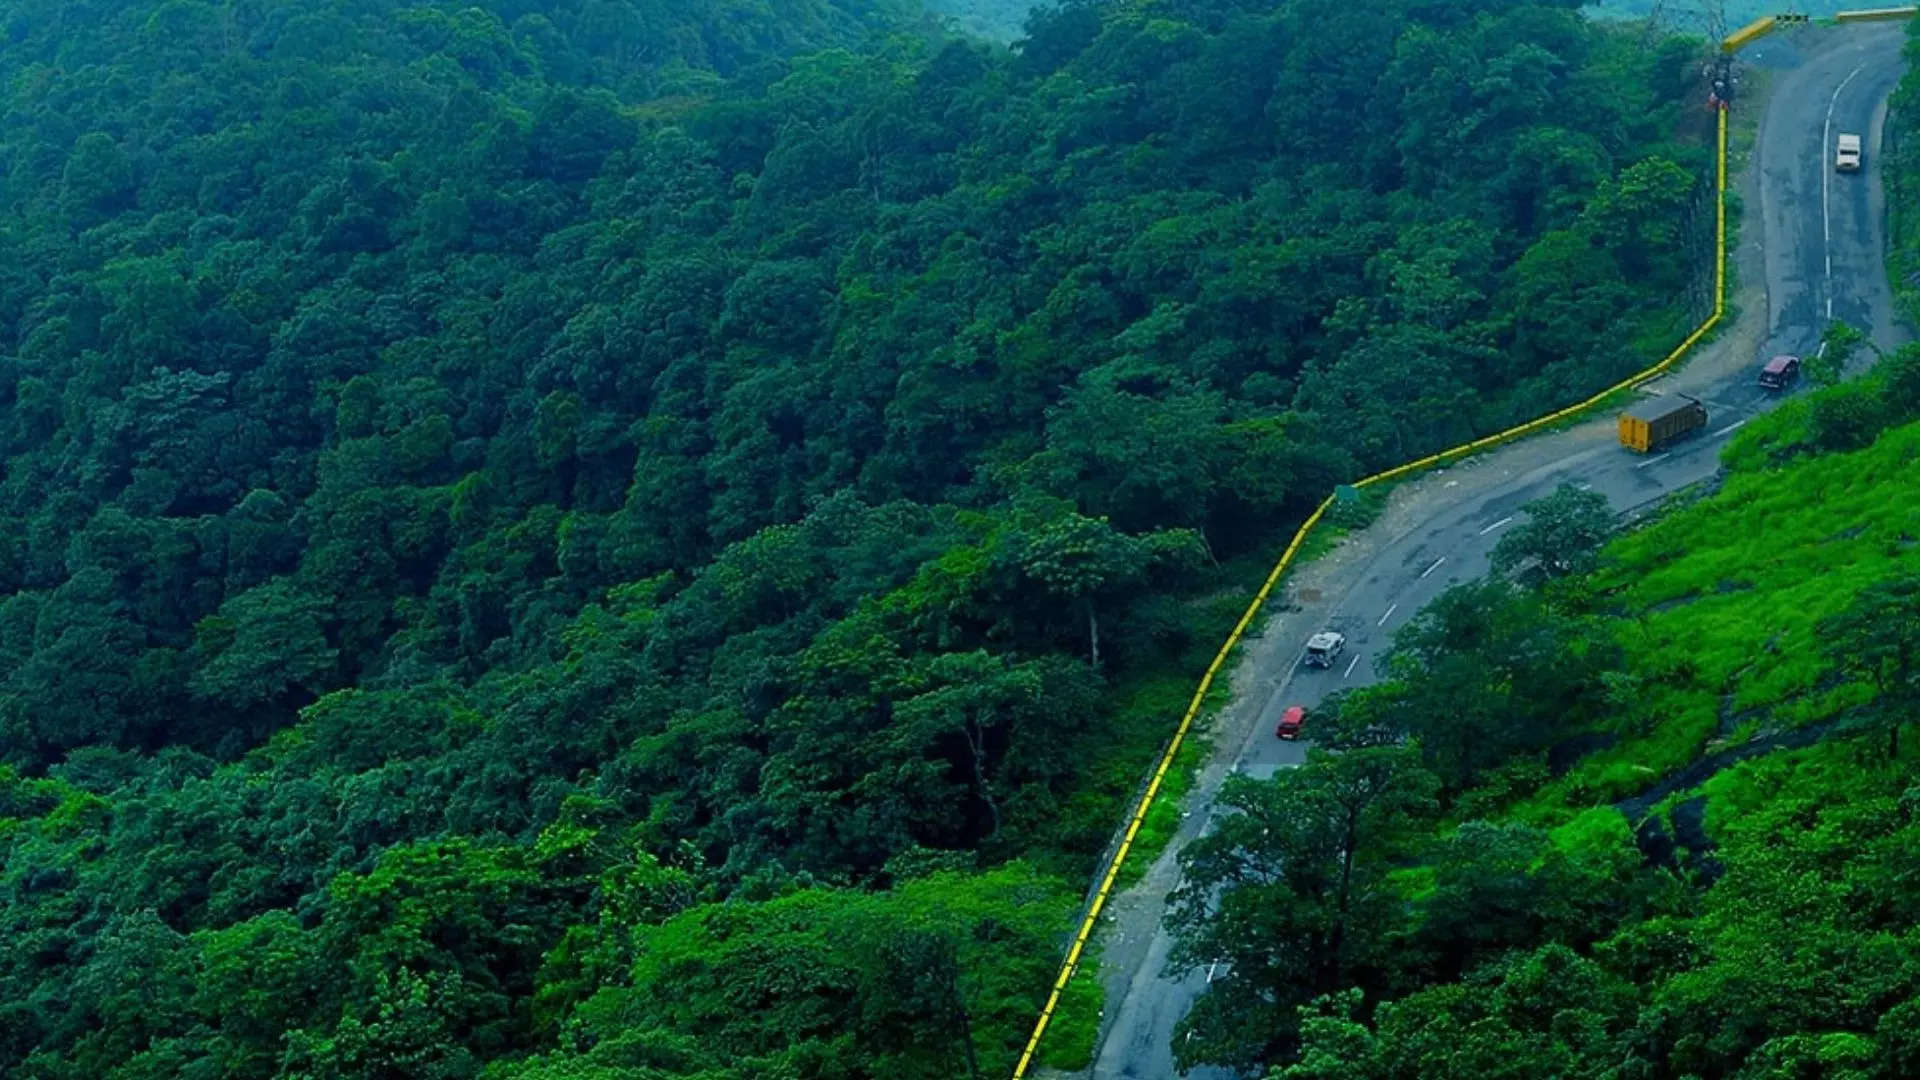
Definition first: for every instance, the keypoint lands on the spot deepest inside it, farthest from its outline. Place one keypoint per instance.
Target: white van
(1846, 158)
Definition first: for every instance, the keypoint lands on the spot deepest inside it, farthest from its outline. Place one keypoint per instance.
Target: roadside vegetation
(652, 540)
(1640, 808)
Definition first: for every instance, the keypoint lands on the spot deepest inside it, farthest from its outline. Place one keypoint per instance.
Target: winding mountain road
(1813, 250)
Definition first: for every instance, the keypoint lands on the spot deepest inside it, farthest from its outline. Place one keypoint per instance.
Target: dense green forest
(1704, 866)
(589, 538)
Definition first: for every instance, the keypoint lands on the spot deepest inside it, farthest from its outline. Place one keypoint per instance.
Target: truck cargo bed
(1651, 424)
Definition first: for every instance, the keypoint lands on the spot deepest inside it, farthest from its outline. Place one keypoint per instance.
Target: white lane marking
(1495, 525)
(1388, 615)
(1210, 969)
(1350, 663)
(1435, 566)
(1652, 460)
(1731, 426)
(1826, 182)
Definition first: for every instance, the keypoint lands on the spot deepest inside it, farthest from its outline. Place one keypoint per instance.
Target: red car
(1290, 722)
(1780, 372)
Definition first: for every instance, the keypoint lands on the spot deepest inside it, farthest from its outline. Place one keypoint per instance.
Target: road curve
(1821, 241)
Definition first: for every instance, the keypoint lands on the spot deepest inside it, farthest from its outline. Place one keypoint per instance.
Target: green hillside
(652, 539)
(1656, 820)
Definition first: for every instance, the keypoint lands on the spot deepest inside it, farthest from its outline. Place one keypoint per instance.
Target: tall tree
(1562, 535)
(1291, 896)
(1878, 636)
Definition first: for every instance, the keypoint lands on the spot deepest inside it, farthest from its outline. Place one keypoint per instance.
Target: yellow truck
(1652, 424)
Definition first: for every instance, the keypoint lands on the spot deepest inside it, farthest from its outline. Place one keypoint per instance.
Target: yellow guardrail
(1180, 733)
(1756, 29)
(1146, 801)
(1870, 14)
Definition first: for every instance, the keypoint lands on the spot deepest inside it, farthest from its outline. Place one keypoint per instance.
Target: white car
(1323, 647)
(1846, 156)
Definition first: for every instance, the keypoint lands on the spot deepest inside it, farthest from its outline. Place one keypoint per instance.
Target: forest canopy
(508, 504)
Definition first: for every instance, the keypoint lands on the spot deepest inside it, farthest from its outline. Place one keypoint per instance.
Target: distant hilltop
(1691, 14)
(1003, 20)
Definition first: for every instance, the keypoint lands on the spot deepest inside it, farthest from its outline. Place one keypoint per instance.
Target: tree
(133, 987)
(263, 644)
(919, 979)
(993, 716)
(1837, 344)
(1499, 887)
(98, 180)
(255, 980)
(1562, 535)
(841, 983)
(1847, 417)
(1549, 1012)
(1637, 215)
(1085, 561)
(401, 1024)
(1878, 636)
(1488, 670)
(1566, 294)
(1140, 461)
(1901, 372)
(1292, 896)
(1334, 1045)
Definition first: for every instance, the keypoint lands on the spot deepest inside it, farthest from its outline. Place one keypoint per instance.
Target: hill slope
(527, 529)
(1656, 819)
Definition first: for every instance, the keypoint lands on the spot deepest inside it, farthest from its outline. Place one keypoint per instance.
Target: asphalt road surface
(1822, 239)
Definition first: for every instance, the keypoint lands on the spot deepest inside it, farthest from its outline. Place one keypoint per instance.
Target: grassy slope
(1719, 602)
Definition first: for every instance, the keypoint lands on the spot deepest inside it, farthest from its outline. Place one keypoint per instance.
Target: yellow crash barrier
(1748, 34)
(1871, 14)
